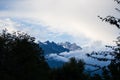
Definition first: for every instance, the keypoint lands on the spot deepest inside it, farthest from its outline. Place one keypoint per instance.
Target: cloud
(81, 54)
(74, 17)
(38, 30)
(27, 26)
(57, 58)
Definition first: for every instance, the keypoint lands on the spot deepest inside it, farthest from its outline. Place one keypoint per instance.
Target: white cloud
(57, 58)
(39, 31)
(8, 24)
(81, 54)
(27, 26)
(74, 17)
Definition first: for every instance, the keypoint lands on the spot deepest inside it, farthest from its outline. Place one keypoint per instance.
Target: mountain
(52, 47)
(56, 54)
(70, 46)
(93, 64)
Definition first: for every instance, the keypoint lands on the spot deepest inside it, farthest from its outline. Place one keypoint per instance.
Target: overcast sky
(60, 20)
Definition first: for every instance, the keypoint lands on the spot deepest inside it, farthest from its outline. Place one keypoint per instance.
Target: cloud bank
(81, 54)
(38, 30)
(73, 17)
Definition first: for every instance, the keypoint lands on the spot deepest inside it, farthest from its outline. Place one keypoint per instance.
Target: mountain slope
(52, 47)
(70, 46)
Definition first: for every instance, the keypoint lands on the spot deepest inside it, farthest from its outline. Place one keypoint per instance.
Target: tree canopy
(21, 58)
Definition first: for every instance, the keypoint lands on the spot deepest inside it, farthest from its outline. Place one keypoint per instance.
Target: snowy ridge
(52, 47)
(70, 46)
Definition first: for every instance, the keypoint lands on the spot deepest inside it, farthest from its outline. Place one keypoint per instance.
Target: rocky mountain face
(56, 54)
(70, 46)
(52, 47)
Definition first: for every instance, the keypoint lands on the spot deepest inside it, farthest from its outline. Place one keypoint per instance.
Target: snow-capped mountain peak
(52, 47)
(70, 46)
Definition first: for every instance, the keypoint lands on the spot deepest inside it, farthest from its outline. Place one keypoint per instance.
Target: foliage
(21, 58)
(72, 70)
(114, 66)
(112, 71)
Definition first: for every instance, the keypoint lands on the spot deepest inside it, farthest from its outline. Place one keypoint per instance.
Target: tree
(112, 71)
(21, 58)
(72, 70)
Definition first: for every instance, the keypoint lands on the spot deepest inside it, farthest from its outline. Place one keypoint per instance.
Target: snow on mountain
(52, 47)
(52, 51)
(57, 60)
(70, 46)
(79, 54)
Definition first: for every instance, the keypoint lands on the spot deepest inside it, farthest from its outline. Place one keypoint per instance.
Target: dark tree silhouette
(72, 70)
(111, 19)
(112, 71)
(21, 58)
